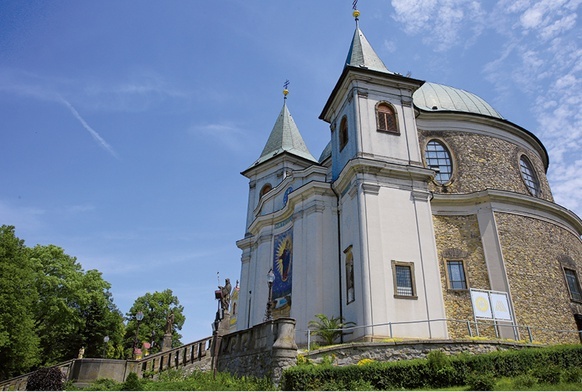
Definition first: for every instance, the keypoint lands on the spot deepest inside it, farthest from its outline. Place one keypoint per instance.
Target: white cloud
(541, 58)
(441, 21)
(227, 134)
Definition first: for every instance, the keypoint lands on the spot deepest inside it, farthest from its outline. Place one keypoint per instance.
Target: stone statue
(81, 353)
(170, 323)
(225, 290)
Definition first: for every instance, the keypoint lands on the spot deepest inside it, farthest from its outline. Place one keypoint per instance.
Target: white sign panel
(481, 306)
(500, 305)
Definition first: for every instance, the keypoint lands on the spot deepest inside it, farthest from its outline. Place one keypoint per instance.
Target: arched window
(343, 134)
(438, 158)
(266, 188)
(529, 176)
(386, 118)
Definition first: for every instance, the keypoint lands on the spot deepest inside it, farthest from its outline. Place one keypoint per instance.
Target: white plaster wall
(401, 229)
(315, 263)
(383, 145)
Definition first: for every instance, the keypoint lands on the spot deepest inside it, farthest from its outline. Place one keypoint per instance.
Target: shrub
(45, 379)
(329, 329)
(523, 382)
(573, 375)
(302, 360)
(365, 361)
(132, 383)
(549, 374)
(104, 384)
(439, 370)
(481, 382)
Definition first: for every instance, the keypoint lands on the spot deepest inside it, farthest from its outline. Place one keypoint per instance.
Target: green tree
(74, 309)
(328, 329)
(155, 307)
(18, 340)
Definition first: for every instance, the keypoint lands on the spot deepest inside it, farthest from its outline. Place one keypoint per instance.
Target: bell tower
(386, 228)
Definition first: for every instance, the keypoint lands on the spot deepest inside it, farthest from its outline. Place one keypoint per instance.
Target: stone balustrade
(177, 357)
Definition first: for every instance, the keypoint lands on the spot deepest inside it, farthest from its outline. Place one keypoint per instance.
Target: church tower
(386, 231)
(290, 233)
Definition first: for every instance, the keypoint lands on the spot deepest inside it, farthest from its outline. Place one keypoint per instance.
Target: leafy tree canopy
(155, 307)
(50, 308)
(19, 344)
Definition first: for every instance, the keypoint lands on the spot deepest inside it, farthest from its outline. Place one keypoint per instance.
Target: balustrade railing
(176, 357)
(476, 329)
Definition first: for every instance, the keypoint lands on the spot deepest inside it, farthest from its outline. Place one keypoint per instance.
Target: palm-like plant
(329, 328)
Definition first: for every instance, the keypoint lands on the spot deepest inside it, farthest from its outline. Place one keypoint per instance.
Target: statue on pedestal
(225, 297)
(170, 323)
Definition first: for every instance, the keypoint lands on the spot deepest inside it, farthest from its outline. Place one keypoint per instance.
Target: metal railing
(544, 335)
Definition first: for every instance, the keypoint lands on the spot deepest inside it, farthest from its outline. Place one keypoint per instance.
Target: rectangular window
(573, 284)
(456, 275)
(403, 274)
(350, 275)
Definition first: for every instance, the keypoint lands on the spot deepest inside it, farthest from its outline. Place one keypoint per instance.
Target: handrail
(175, 357)
(468, 323)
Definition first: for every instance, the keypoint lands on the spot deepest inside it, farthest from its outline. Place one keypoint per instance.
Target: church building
(428, 215)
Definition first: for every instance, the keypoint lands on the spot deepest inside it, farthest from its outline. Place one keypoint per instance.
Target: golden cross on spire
(285, 91)
(356, 13)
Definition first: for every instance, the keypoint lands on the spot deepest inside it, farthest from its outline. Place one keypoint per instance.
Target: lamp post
(105, 341)
(270, 280)
(138, 317)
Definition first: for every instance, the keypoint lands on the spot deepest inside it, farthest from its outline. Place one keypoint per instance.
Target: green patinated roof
(285, 137)
(437, 97)
(362, 54)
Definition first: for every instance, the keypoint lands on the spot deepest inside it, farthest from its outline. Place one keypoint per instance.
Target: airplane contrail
(93, 133)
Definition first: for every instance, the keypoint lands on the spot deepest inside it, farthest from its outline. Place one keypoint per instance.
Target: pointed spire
(285, 136)
(361, 53)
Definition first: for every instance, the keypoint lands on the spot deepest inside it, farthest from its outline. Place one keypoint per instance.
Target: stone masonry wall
(534, 251)
(352, 353)
(484, 162)
(458, 238)
(264, 350)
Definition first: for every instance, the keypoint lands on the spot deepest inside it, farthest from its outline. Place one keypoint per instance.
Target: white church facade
(424, 196)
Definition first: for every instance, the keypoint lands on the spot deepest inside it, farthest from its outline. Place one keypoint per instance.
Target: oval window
(438, 158)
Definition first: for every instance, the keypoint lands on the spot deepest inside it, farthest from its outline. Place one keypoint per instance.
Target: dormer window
(386, 118)
(343, 134)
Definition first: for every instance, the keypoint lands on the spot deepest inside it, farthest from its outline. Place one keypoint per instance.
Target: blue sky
(124, 125)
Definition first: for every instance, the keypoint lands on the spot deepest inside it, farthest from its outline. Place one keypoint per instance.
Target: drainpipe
(339, 257)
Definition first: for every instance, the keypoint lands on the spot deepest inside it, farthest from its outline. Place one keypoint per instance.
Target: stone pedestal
(167, 342)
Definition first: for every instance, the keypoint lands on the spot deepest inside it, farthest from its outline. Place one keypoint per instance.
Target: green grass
(175, 380)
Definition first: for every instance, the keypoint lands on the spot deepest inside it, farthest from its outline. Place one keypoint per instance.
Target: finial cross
(286, 84)
(355, 5)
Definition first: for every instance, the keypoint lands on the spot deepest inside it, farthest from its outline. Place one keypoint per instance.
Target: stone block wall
(485, 162)
(264, 350)
(458, 238)
(534, 251)
(352, 353)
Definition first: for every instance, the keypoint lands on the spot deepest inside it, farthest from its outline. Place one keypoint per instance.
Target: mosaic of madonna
(282, 267)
